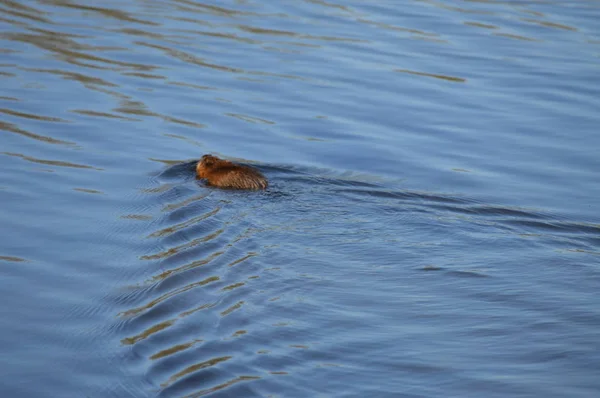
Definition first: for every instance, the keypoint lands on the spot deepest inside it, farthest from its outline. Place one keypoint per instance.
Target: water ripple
(106, 12)
(168, 295)
(194, 368)
(180, 226)
(32, 116)
(59, 163)
(10, 127)
(443, 77)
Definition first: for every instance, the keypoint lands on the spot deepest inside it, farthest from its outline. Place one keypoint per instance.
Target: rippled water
(432, 227)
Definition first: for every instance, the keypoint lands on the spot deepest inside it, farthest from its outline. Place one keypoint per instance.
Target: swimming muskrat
(225, 174)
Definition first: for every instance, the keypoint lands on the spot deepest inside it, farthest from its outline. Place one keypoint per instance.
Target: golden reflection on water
(87, 190)
(139, 108)
(51, 162)
(195, 86)
(175, 349)
(88, 112)
(174, 206)
(65, 48)
(209, 9)
(9, 127)
(145, 75)
(105, 12)
(168, 162)
(12, 259)
(23, 11)
(550, 24)
(139, 217)
(239, 333)
(174, 250)
(32, 116)
(190, 58)
(194, 264)
(147, 333)
(517, 37)
(230, 36)
(395, 27)
(168, 38)
(233, 286)
(480, 25)
(162, 326)
(194, 368)
(233, 308)
(168, 295)
(200, 8)
(178, 227)
(331, 5)
(437, 76)
(199, 308)
(242, 259)
(250, 119)
(276, 32)
(457, 9)
(159, 189)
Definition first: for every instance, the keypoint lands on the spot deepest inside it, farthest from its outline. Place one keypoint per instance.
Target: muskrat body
(225, 174)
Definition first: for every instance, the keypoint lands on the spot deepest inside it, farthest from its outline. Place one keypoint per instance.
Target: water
(432, 226)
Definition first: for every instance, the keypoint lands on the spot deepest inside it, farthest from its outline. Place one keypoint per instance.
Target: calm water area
(431, 228)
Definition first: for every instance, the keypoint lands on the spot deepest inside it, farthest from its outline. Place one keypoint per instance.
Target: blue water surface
(432, 225)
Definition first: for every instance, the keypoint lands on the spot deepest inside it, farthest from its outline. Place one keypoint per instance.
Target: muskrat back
(225, 174)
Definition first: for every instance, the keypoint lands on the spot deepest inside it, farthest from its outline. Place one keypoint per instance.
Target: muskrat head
(205, 163)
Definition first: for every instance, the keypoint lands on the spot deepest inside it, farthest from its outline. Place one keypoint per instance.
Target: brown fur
(225, 174)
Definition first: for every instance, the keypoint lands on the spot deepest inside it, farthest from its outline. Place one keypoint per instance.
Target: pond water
(432, 225)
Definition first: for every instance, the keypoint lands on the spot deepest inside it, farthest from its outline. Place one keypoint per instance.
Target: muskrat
(225, 174)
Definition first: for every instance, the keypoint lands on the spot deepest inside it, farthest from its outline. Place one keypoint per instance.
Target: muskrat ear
(208, 160)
